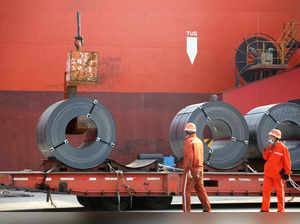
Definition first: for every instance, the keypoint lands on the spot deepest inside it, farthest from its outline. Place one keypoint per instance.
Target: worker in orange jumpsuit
(193, 170)
(277, 158)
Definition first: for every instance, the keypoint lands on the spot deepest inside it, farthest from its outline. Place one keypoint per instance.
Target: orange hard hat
(191, 127)
(276, 133)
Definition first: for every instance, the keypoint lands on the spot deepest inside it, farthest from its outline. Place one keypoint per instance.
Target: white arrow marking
(192, 45)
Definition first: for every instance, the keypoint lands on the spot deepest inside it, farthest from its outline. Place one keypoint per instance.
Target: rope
(292, 199)
(118, 192)
(129, 190)
(294, 184)
(250, 168)
(49, 198)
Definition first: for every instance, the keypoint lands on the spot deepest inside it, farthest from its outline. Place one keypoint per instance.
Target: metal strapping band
(234, 139)
(92, 108)
(53, 148)
(270, 116)
(210, 151)
(111, 144)
(205, 114)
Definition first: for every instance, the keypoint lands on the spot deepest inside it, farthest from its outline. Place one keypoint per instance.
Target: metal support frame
(159, 183)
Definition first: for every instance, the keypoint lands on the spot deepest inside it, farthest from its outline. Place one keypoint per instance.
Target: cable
(294, 184)
(49, 198)
(250, 168)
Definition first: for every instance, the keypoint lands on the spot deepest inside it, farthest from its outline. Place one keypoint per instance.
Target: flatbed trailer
(121, 190)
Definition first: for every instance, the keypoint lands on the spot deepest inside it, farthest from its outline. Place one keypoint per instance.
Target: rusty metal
(82, 67)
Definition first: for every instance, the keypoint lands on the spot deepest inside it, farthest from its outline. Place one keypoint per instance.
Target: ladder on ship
(262, 56)
(289, 40)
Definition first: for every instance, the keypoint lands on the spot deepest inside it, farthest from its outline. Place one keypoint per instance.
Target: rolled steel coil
(283, 116)
(222, 128)
(51, 132)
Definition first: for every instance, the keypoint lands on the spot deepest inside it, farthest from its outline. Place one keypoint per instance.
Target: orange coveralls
(193, 160)
(276, 157)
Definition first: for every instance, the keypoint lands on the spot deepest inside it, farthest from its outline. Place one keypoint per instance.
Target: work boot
(281, 210)
(263, 211)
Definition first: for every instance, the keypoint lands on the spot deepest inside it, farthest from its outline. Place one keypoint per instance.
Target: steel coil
(222, 128)
(285, 117)
(52, 126)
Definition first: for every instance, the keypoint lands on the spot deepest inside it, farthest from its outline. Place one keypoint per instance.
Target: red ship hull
(145, 76)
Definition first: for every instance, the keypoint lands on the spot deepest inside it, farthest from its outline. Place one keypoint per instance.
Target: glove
(283, 175)
(286, 177)
(199, 174)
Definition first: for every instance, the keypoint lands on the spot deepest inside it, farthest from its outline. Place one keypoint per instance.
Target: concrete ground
(32, 208)
(31, 201)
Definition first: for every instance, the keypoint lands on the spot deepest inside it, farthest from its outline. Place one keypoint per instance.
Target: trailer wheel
(103, 203)
(111, 203)
(153, 203)
(85, 201)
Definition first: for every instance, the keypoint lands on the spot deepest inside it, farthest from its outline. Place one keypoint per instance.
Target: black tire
(104, 203)
(111, 203)
(85, 201)
(153, 203)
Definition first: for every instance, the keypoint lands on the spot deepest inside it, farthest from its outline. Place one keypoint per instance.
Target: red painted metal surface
(6, 179)
(151, 184)
(145, 74)
(277, 89)
(142, 44)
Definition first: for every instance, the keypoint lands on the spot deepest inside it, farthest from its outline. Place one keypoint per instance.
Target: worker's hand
(268, 145)
(199, 174)
(284, 176)
(189, 174)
